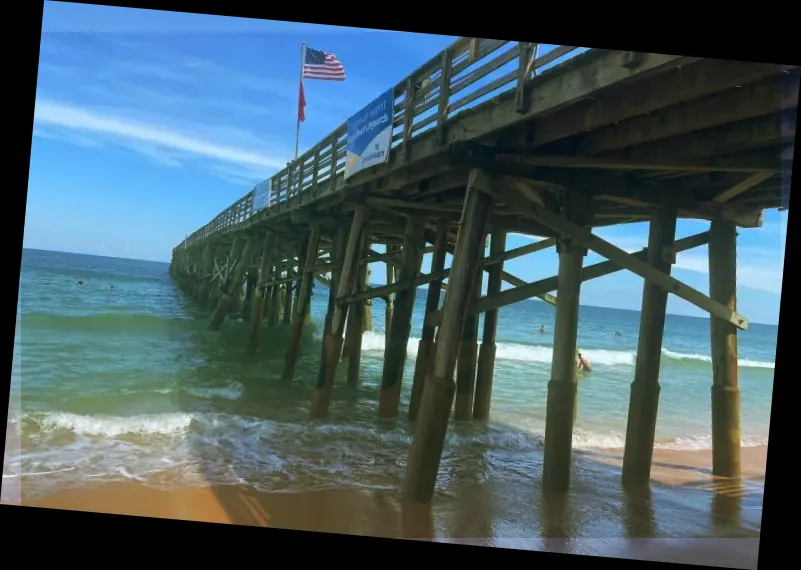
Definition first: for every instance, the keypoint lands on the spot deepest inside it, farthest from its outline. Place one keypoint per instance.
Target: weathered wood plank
(672, 87)
(770, 96)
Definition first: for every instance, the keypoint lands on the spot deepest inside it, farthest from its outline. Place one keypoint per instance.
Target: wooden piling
(726, 452)
(281, 301)
(303, 246)
(234, 282)
(257, 308)
(267, 309)
(425, 348)
(333, 341)
(438, 392)
(389, 299)
(486, 354)
(355, 329)
(207, 267)
(355, 313)
(562, 387)
(250, 287)
(275, 307)
(302, 299)
(288, 298)
(337, 247)
(368, 305)
(400, 326)
(466, 361)
(644, 399)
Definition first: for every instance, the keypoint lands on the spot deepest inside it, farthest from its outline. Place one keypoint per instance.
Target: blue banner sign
(261, 195)
(370, 135)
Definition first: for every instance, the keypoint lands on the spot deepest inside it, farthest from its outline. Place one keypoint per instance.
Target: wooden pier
(489, 138)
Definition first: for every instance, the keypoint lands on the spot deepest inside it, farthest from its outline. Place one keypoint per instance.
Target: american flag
(321, 65)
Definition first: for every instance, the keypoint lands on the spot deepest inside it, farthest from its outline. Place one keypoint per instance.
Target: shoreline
(671, 469)
(662, 527)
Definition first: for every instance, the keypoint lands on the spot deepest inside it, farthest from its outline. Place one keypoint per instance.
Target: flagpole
(302, 64)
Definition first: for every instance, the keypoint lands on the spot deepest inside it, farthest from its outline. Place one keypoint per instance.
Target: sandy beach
(495, 514)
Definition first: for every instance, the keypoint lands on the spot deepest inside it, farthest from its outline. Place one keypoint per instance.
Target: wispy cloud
(759, 268)
(156, 141)
(68, 137)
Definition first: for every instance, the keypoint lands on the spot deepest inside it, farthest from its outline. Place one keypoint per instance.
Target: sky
(148, 124)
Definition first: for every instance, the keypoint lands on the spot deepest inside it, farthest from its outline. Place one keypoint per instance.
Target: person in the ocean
(542, 328)
(617, 333)
(80, 281)
(582, 363)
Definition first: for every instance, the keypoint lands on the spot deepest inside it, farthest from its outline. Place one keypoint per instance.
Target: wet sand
(662, 525)
(679, 467)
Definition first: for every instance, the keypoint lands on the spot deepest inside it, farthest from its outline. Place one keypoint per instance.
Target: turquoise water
(120, 378)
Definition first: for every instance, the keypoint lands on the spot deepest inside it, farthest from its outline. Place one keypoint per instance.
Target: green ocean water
(121, 379)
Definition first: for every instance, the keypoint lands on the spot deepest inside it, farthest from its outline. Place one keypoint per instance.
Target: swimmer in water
(582, 362)
(617, 333)
(542, 328)
(80, 281)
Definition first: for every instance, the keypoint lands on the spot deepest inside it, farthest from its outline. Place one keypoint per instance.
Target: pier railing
(469, 73)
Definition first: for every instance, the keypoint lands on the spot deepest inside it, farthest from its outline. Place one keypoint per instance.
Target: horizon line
(425, 287)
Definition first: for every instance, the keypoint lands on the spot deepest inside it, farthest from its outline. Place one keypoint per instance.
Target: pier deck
(489, 137)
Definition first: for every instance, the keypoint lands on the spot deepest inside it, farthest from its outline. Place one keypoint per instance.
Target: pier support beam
(250, 291)
(302, 299)
(275, 307)
(333, 341)
(398, 333)
(355, 329)
(431, 427)
(562, 388)
(281, 301)
(726, 458)
(391, 249)
(368, 305)
(207, 267)
(233, 285)
(644, 400)
(486, 354)
(257, 308)
(288, 297)
(337, 247)
(304, 243)
(425, 348)
(354, 312)
(466, 361)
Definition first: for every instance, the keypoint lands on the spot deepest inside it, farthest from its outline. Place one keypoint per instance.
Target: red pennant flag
(301, 104)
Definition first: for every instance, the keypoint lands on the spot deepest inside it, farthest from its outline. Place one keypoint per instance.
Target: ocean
(121, 379)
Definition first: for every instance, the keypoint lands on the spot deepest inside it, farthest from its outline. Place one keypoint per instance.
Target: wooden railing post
(408, 118)
(522, 95)
(444, 95)
(315, 168)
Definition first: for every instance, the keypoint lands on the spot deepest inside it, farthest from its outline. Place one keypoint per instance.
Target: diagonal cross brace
(586, 238)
